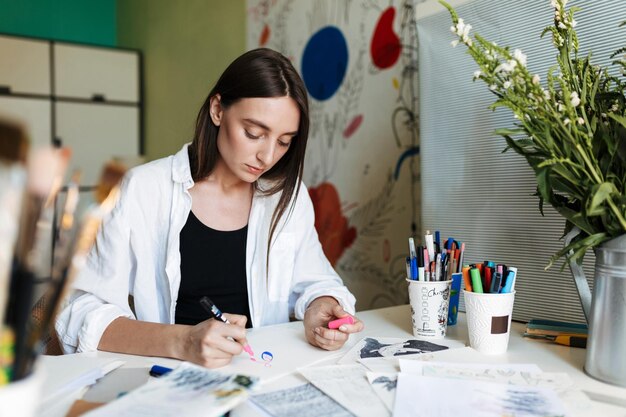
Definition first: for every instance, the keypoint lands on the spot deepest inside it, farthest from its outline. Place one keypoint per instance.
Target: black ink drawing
(372, 348)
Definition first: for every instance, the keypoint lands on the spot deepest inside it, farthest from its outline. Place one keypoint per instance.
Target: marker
(477, 284)
(212, 309)
(510, 281)
(428, 238)
(158, 371)
(460, 263)
(335, 324)
(466, 278)
(496, 281)
(420, 264)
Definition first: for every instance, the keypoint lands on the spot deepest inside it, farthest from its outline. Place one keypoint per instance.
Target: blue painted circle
(324, 62)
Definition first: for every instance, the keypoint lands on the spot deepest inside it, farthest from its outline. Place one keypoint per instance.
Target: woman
(226, 217)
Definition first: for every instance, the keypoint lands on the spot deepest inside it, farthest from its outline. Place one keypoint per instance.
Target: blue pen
(157, 370)
(413, 268)
(437, 240)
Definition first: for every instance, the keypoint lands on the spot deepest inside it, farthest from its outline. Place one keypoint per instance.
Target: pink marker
(248, 350)
(335, 324)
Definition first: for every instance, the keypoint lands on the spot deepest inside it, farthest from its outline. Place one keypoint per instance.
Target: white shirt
(137, 252)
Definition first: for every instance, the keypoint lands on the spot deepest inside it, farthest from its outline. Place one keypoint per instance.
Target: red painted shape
(265, 35)
(385, 47)
(332, 226)
(353, 126)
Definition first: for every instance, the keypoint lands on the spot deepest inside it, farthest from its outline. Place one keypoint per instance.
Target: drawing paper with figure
(274, 357)
(421, 396)
(348, 385)
(372, 347)
(302, 401)
(384, 385)
(188, 390)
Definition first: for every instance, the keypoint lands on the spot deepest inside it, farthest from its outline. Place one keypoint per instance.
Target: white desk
(396, 322)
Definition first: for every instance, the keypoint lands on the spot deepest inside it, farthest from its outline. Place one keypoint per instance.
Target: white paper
(384, 385)
(575, 401)
(189, 390)
(301, 401)
(385, 365)
(348, 385)
(375, 347)
(289, 352)
(506, 372)
(68, 373)
(419, 396)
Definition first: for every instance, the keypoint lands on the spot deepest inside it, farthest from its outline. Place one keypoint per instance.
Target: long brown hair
(257, 73)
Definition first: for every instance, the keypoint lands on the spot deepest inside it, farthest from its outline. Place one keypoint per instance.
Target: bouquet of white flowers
(572, 130)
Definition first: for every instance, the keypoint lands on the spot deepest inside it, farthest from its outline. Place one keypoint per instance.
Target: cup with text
(429, 308)
(489, 320)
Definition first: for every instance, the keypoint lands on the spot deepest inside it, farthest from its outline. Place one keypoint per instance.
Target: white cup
(21, 398)
(489, 321)
(429, 308)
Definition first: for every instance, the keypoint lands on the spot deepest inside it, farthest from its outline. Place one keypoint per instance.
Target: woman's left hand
(316, 317)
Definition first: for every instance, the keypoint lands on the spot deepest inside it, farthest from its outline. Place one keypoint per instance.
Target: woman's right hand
(213, 343)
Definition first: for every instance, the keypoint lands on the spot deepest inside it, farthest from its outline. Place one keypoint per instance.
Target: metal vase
(606, 355)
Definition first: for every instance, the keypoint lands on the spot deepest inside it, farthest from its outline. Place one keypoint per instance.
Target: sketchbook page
(420, 396)
(385, 365)
(278, 351)
(483, 371)
(189, 390)
(384, 385)
(576, 402)
(67, 373)
(348, 385)
(377, 347)
(301, 401)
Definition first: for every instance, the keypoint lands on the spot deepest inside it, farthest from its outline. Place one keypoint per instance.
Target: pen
(157, 370)
(212, 309)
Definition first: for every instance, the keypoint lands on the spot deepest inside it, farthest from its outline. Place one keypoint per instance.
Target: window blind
(470, 190)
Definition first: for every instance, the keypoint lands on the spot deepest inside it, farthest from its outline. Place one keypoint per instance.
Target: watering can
(605, 311)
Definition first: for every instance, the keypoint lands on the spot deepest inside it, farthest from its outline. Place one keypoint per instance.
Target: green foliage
(572, 132)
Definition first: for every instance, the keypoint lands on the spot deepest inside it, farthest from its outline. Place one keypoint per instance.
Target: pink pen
(335, 324)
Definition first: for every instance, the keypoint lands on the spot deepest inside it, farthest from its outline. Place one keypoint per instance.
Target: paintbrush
(573, 340)
(66, 269)
(13, 150)
(45, 169)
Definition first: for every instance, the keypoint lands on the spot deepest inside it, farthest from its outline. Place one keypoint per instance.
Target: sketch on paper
(302, 401)
(348, 385)
(384, 385)
(472, 398)
(371, 347)
(189, 390)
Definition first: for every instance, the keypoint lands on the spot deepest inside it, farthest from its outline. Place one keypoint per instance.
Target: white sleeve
(314, 276)
(101, 289)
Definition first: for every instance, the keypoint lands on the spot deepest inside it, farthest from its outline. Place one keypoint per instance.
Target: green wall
(85, 21)
(186, 45)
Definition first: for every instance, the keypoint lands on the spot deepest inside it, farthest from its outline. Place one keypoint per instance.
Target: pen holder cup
(429, 308)
(489, 321)
(21, 398)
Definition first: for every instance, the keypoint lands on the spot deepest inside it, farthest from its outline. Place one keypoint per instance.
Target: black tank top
(212, 264)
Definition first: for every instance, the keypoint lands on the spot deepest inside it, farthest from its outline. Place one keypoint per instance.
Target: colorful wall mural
(358, 59)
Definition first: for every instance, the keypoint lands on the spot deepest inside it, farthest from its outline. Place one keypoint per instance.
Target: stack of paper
(67, 374)
(189, 390)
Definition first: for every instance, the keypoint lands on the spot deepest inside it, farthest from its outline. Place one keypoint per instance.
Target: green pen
(477, 285)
